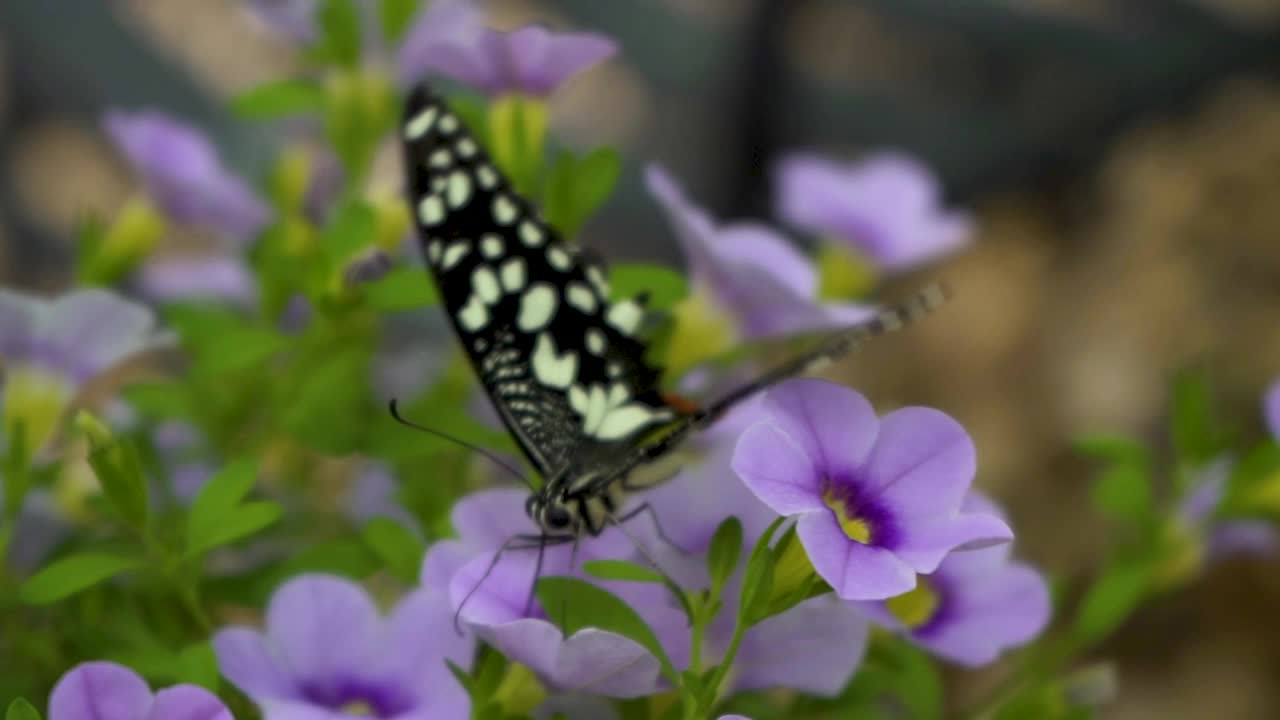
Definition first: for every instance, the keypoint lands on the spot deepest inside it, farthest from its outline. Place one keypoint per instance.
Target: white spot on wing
(504, 210)
(597, 280)
(434, 250)
(459, 189)
(421, 123)
(466, 147)
(448, 123)
(558, 258)
(485, 284)
(487, 176)
(626, 420)
(595, 341)
(513, 275)
(440, 159)
(491, 245)
(552, 370)
(474, 314)
(581, 297)
(531, 234)
(625, 316)
(431, 210)
(537, 307)
(454, 254)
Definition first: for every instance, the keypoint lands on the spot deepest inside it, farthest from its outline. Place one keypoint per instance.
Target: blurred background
(1122, 158)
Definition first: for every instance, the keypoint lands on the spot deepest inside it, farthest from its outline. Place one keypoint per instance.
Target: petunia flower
(292, 19)
(1271, 410)
(494, 599)
(218, 277)
(51, 348)
(886, 207)
(746, 271)
(1218, 537)
(878, 500)
(184, 175)
(532, 60)
(326, 653)
(977, 604)
(107, 691)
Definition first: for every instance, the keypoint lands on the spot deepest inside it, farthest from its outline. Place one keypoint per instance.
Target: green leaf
(725, 550)
(330, 408)
(557, 197)
(71, 574)
(244, 521)
(198, 665)
(577, 187)
(665, 286)
(1111, 599)
(1113, 448)
(17, 469)
(397, 546)
(219, 499)
(1197, 434)
(579, 604)
(1123, 492)
(404, 288)
(278, 99)
(351, 231)
(396, 16)
(622, 570)
(757, 582)
(119, 471)
(340, 27)
(20, 709)
(158, 398)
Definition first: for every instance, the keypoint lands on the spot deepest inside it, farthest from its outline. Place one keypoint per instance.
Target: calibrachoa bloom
(977, 604)
(53, 347)
(1221, 537)
(747, 270)
(531, 60)
(886, 207)
(184, 175)
(293, 19)
(495, 601)
(1271, 410)
(107, 691)
(878, 499)
(219, 277)
(327, 653)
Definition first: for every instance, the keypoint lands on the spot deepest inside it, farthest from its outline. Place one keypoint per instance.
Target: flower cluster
(247, 528)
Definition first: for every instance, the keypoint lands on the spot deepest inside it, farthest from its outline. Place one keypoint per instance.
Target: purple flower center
(925, 609)
(359, 698)
(862, 518)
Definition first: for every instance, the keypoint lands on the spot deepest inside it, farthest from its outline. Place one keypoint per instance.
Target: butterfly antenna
(493, 457)
(537, 573)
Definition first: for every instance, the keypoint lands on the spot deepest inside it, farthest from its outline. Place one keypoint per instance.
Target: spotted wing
(563, 366)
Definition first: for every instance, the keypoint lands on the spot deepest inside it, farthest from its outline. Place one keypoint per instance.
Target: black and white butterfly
(563, 364)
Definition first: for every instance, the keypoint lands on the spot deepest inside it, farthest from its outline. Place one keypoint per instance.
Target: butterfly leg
(515, 542)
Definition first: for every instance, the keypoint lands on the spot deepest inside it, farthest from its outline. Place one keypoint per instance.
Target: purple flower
(1226, 537)
(292, 19)
(373, 494)
(977, 604)
(886, 207)
(878, 499)
(51, 348)
(328, 654)
(221, 278)
(495, 602)
(107, 691)
(184, 175)
(449, 40)
(1271, 410)
(748, 270)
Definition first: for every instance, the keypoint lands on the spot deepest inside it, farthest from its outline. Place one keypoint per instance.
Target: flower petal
(96, 329)
(777, 471)
(1243, 537)
(20, 314)
(220, 278)
(923, 463)
(420, 664)
(1271, 409)
(325, 628)
(99, 691)
(488, 518)
(540, 61)
(1005, 609)
(441, 39)
(188, 702)
(834, 425)
(814, 647)
(923, 545)
(855, 571)
(245, 659)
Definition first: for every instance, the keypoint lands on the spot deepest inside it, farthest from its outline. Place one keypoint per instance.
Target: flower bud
(128, 242)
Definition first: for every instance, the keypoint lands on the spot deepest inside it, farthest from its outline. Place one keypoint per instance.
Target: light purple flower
(221, 278)
(878, 499)
(373, 494)
(327, 654)
(887, 207)
(184, 175)
(1225, 537)
(532, 60)
(292, 19)
(495, 603)
(750, 272)
(1271, 410)
(977, 604)
(107, 691)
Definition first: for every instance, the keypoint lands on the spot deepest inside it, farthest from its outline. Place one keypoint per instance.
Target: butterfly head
(551, 512)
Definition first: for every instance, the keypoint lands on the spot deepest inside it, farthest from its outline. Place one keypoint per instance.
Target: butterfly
(563, 363)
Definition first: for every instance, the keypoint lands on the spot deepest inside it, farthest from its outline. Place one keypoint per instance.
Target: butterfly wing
(564, 367)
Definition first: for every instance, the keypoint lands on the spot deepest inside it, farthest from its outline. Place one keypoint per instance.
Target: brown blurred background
(1123, 157)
